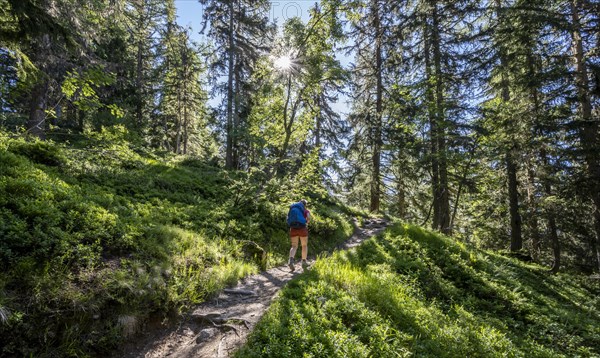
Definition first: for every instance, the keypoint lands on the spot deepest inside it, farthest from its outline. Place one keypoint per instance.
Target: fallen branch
(240, 292)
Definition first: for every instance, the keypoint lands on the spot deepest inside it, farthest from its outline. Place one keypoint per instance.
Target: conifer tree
(437, 52)
(145, 17)
(325, 74)
(512, 151)
(588, 126)
(183, 99)
(371, 31)
(240, 30)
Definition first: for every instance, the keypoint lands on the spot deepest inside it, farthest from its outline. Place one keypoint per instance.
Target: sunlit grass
(95, 242)
(410, 292)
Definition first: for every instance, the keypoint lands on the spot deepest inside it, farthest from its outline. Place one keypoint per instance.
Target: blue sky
(189, 12)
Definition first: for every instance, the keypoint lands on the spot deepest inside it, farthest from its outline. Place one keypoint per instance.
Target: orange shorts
(299, 234)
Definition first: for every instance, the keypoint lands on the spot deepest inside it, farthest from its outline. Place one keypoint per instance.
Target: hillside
(97, 239)
(409, 292)
(149, 151)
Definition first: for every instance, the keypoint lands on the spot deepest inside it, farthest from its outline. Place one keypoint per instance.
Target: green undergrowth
(413, 293)
(95, 240)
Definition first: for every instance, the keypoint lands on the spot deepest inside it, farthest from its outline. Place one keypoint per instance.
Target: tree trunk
(185, 130)
(236, 122)
(401, 199)
(429, 94)
(139, 76)
(552, 230)
(531, 190)
(376, 155)
(288, 122)
(461, 185)
(187, 101)
(36, 124)
(516, 238)
(230, 75)
(443, 194)
(178, 123)
(318, 126)
(532, 217)
(588, 130)
(80, 120)
(551, 215)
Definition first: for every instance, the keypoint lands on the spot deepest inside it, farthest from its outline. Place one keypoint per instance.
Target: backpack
(295, 217)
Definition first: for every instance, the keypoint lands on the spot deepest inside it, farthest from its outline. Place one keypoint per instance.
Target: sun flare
(283, 63)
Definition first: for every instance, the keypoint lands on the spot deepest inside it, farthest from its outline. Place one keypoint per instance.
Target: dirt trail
(218, 327)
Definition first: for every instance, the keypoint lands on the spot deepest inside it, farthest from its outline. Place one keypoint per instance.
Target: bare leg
(304, 241)
(294, 246)
(294, 240)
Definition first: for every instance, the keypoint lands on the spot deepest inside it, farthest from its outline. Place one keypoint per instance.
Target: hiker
(298, 219)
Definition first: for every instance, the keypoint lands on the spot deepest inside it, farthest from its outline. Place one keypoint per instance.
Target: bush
(38, 151)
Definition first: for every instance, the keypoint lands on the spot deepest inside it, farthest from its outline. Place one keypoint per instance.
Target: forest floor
(217, 328)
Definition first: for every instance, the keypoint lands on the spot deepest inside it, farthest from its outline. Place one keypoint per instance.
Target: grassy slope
(94, 240)
(410, 292)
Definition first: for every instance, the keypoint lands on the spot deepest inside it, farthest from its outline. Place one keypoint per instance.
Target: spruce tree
(240, 30)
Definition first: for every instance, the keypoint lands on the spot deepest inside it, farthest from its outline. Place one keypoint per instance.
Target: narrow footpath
(218, 327)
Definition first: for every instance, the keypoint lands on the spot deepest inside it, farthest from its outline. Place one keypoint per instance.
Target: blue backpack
(295, 217)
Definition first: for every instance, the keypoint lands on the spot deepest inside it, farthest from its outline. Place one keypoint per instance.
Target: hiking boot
(291, 264)
(304, 264)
